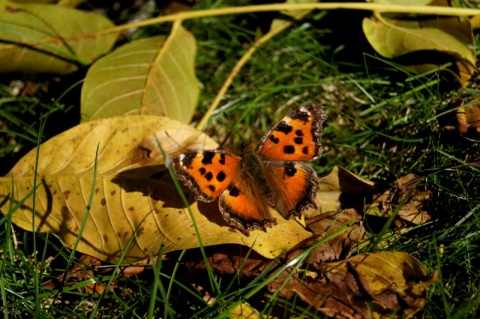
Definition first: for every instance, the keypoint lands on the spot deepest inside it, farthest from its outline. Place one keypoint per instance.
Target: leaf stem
(187, 15)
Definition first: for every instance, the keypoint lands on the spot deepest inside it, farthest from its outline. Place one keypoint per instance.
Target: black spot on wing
(207, 157)
(299, 133)
(290, 169)
(274, 139)
(305, 150)
(202, 170)
(289, 149)
(284, 128)
(298, 140)
(222, 159)
(188, 158)
(221, 176)
(209, 176)
(234, 191)
(211, 188)
(300, 115)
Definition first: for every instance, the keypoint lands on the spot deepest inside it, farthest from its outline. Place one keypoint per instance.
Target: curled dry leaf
(423, 43)
(383, 284)
(468, 117)
(135, 206)
(404, 199)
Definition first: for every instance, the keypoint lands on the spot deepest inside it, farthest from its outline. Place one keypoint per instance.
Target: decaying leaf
(468, 116)
(337, 247)
(245, 311)
(404, 200)
(86, 271)
(423, 43)
(50, 39)
(135, 206)
(383, 284)
(152, 76)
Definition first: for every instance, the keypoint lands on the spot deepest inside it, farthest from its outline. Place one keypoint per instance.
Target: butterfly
(274, 174)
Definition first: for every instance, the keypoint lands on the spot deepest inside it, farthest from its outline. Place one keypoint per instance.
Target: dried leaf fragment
(468, 117)
(404, 199)
(326, 224)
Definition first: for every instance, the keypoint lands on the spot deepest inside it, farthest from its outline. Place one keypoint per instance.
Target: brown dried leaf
(230, 259)
(86, 269)
(327, 224)
(391, 284)
(468, 117)
(404, 199)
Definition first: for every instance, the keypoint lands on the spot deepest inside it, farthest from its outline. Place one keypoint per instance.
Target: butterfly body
(273, 175)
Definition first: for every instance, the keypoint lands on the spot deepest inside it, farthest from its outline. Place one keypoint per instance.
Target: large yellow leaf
(49, 38)
(153, 76)
(133, 195)
(394, 36)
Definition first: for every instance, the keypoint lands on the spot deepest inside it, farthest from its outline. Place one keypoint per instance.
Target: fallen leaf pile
(105, 182)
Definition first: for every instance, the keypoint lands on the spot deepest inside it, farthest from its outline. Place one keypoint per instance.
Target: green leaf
(153, 76)
(50, 39)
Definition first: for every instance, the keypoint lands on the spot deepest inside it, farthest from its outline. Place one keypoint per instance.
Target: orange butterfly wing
(295, 138)
(245, 206)
(293, 187)
(273, 175)
(207, 173)
(212, 174)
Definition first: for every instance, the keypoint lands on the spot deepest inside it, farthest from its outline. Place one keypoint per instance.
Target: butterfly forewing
(295, 137)
(208, 173)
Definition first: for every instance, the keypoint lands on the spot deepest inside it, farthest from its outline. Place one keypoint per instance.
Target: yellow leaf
(50, 39)
(394, 36)
(135, 206)
(153, 76)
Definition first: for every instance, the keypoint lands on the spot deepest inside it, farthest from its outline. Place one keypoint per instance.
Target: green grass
(382, 124)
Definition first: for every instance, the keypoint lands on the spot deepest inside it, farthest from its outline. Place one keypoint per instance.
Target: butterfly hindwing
(244, 205)
(295, 137)
(293, 187)
(207, 173)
